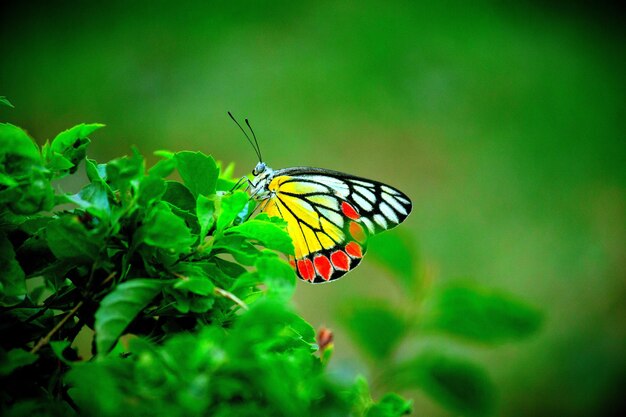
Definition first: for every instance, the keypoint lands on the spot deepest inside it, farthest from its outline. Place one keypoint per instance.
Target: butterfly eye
(258, 169)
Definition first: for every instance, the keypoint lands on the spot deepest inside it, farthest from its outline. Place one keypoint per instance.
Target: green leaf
(164, 167)
(178, 195)
(120, 307)
(12, 278)
(163, 229)
(5, 102)
(265, 233)
(196, 285)
(69, 240)
(94, 198)
(125, 173)
(375, 326)
(151, 189)
(58, 347)
(277, 275)
(481, 315)
(13, 359)
(395, 251)
(198, 171)
(230, 206)
(15, 141)
(70, 146)
(454, 382)
(391, 405)
(205, 211)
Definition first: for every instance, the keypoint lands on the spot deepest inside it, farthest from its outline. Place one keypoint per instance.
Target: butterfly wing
(330, 216)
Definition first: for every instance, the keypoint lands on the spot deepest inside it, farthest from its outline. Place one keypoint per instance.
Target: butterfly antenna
(256, 150)
(255, 141)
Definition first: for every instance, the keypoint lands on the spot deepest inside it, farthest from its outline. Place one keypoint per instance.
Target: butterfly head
(259, 169)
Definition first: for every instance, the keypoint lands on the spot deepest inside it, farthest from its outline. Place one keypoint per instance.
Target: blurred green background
(504, 121)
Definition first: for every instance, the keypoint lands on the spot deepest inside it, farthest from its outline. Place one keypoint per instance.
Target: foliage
(186, 299)
(439, 318)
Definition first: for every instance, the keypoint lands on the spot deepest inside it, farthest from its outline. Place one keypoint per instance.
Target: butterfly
(330, 215)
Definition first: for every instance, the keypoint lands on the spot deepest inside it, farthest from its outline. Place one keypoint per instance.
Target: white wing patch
(362, 203)
(394, 203)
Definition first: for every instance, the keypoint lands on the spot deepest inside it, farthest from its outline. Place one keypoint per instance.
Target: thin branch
(44, 341)
(230, 296)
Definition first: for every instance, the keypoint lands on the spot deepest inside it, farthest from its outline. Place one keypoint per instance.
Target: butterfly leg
(238, 184)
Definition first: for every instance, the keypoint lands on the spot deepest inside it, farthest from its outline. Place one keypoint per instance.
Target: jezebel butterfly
(330, 215)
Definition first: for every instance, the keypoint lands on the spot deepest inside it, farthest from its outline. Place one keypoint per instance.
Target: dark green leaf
(454, 382)
(165, 230)
(395, 252)
(265, 233)
(12, 278)
(178, 195)
(13, 359)
(69, 240)
(164, 167)
(125, 173)
(481, 315)
(376, 326)
(14, 141)
(151, 189)
(120, 307)
(198, 171)
(391, 405)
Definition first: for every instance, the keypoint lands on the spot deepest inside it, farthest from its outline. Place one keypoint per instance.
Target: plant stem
(56, 328)
(230, 296)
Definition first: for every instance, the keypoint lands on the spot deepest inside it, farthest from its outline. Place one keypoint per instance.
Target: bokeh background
(504, 121)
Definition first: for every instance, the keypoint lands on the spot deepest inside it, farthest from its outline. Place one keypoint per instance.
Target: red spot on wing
(340, 260)
(349, 211)
(354, 250)
(305, 269)
(357, 232)
(292, 262)
(323, 266)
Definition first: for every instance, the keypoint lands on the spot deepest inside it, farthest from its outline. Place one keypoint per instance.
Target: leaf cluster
(182, 299)
(420, 341)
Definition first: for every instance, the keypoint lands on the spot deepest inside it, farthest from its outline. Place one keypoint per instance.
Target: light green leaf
(277, 275)
(376, 326)
(230, 206)
(15, 141)
(5, 102)
(120, 307)
(196, 285)
(198, 171)
(479, 314)
(205, 211)
(70, 146)
(265, 233)
(395, 251)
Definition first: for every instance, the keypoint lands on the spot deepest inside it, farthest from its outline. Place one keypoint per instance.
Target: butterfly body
(330, 215)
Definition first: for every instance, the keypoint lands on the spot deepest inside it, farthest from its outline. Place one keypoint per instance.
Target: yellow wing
(330, 217)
